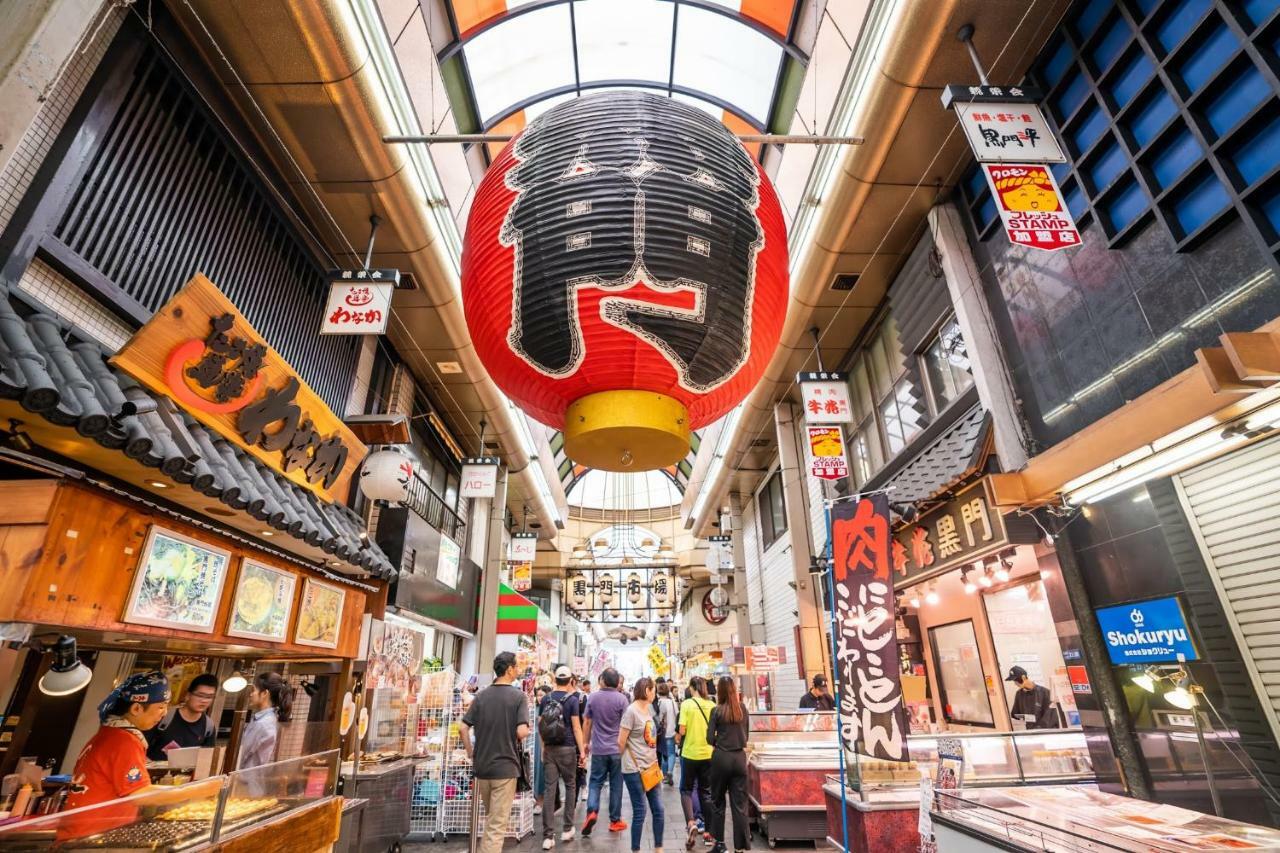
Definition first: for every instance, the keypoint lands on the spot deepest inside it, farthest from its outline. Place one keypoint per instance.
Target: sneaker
(567, 835)
(617, 826)
(592, 817)
(537, 810)
(548, 843)
(701, 826)
(708, 839)
(692, 838)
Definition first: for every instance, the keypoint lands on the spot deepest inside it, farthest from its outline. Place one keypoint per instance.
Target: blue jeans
(638, 796)
(603, 766)
(669, 757)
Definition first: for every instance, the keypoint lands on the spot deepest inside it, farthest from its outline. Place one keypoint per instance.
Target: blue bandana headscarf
(144, 687)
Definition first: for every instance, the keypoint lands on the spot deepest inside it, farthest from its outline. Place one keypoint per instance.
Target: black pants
(693, 771)
(729, 775)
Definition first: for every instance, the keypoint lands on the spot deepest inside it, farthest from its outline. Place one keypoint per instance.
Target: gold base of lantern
(626, 431)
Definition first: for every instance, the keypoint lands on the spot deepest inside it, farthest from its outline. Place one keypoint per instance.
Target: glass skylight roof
(512, 60)
(607, 490)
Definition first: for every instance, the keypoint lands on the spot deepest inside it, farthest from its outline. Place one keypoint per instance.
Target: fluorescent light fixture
(1180, 697)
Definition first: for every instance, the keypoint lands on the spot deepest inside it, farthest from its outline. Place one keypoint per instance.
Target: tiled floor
(601, 839)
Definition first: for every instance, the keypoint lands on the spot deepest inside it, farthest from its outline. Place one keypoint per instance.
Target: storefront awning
(63, 376)
(516, 614)
(953, 457)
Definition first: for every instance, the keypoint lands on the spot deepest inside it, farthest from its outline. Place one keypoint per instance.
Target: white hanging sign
(1008, 132)
(359, 302)
(825, 397)
(479, 477)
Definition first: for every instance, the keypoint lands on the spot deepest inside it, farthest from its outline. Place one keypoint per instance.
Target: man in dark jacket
(1032, 703)
(817, 698)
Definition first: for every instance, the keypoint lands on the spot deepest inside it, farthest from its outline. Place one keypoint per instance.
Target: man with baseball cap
(816, 698)
(1032, 702)
(560, 728)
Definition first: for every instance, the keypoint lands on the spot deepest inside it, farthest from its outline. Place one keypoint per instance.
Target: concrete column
(995, 389)
(485, 529)
(796, 495)
(731, 522)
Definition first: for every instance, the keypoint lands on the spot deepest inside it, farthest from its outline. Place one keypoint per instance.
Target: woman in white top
(638, 744)
(270, 702)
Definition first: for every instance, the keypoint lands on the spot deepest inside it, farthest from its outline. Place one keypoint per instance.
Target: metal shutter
(1234, 508)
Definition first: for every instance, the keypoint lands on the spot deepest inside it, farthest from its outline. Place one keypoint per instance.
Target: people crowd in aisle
(607, 737)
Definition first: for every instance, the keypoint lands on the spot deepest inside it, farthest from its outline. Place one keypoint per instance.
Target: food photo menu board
(178, 582)
(263, 602)
(319, 615)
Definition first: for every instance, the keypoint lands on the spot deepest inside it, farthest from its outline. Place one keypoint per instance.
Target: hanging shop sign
(624, 275)
(199, 351)
(964, 529)
(826, 453)
(1031, 206)
(359, 302)
(825, 397)
(521, 551)
(1144, 632)
(715, 614)
(762, 658)
(1004, 132)
(447, 564)
(479, 477)
(873, 716)
(658, 660)
(963, 93)
(579, 665)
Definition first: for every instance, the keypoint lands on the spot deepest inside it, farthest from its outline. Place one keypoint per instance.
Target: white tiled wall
(57, 293)
(39, 137)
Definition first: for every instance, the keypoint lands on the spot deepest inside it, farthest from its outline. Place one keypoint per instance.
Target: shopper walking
(695, 756)
(667, 713)
(270, 702)
(539, 694)
(638, 743)
(727, 733)
(604, 719)
(499, 715)
(560, 732)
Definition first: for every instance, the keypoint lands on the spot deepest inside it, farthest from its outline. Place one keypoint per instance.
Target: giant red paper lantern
(624, 275)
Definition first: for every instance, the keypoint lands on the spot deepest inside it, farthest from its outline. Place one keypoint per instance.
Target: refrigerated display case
(1067, 819)
(290, 802)
(881, 799)
(789, 758)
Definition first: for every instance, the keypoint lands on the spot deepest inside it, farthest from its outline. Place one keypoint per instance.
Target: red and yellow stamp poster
(826, 449)
(1031, 206)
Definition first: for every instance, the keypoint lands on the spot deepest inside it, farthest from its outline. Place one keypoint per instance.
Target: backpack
(207, 727)
(551, 721)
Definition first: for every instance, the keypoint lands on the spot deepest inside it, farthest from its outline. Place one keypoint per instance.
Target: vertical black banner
(873, 719)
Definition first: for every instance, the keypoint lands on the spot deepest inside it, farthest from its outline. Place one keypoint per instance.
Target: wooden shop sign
(199, 351)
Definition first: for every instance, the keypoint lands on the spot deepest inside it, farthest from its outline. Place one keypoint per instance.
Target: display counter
(1065, 819)
(789, 757)
(268, 807)
(1042, 757)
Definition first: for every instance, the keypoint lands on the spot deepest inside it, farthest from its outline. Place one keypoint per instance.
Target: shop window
(946, 363)
(901, 416)
(773, 511)
(866, 452)
(962, 686)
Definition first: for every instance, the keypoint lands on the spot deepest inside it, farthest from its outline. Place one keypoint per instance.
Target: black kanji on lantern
(626, 189)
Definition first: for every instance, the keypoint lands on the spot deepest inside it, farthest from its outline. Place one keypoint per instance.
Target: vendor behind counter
(113, 764)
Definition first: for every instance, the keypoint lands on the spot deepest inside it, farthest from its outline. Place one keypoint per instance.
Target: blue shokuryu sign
(1145, 632)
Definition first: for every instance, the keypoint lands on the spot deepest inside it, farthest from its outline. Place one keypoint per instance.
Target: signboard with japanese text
(1011, 132)
(523, 548)
(963, 93)
(720, 554)
(357, 308)
(198, 351)
(825, 397)
(1144, 632)
(579, 665)
(479, 477)
(826, 453)
(873, 718)
(762, 658)
(963, 529)
(1031, 206)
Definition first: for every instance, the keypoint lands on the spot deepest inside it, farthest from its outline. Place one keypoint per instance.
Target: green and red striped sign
(516, 614)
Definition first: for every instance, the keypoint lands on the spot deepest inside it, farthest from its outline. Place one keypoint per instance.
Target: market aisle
(601, 839)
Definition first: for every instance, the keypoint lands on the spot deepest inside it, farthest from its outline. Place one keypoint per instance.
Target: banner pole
(829, 571)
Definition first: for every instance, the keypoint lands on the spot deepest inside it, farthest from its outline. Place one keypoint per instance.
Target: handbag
(522, 780)
(651, 776)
